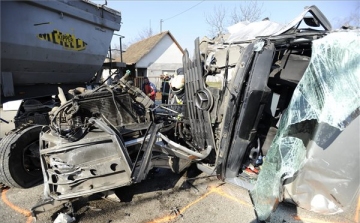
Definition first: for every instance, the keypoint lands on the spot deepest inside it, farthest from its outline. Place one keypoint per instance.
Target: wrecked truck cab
(298, 115)
(238, 95)
(255, 80)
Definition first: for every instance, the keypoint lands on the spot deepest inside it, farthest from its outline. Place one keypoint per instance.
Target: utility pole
(161, 21)
(120, 37)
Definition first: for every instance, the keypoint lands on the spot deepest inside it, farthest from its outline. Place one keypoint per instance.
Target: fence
(139, 81)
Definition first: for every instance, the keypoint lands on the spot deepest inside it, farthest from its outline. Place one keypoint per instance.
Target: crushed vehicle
(289, 94)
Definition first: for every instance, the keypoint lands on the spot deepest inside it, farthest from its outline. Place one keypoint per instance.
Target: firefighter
(177, 85)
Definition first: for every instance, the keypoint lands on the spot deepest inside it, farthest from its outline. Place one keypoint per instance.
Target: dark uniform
(165, 89)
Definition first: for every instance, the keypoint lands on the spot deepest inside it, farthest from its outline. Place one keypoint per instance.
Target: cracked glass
(307, 161)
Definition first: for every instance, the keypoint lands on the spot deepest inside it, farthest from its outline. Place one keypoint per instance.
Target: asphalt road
(163, 197)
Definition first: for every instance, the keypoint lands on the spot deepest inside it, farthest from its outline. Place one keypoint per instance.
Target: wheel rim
(31, 159)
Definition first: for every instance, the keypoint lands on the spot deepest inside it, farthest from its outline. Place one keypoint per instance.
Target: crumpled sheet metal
(329, 181)
(249, 31)
(317, 144)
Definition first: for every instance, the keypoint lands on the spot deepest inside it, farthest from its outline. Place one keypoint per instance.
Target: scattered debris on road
(64, 218)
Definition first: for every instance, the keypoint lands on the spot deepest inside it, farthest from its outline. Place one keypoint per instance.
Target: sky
(191, 21)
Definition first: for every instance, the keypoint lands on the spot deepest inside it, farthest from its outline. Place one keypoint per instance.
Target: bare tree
(115, 48)
(247, 11)
(353, 19)
(125, 46)
(115, 51)
(145, 33)
(216, 21)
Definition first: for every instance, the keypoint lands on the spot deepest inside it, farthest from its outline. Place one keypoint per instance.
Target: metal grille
(103, 103)
(194, 88)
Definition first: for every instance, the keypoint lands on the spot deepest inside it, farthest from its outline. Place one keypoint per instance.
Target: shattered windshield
(324, 103)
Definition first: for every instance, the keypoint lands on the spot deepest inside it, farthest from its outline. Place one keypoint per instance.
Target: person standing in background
(148, 89)
(165, 89)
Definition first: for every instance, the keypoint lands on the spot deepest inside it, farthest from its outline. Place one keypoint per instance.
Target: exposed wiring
(183, 11)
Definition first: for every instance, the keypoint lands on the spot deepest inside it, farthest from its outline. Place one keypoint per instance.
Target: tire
(19, 158)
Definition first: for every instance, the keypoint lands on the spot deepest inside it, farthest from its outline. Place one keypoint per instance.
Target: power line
(183, 11)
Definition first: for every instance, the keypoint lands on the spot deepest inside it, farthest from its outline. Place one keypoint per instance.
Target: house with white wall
(153, 56)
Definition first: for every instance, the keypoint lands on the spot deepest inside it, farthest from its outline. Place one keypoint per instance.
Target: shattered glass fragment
(310, 140)
(258, 46)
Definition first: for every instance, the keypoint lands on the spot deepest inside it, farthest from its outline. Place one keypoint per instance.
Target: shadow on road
(284, 213)
(158, 182)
